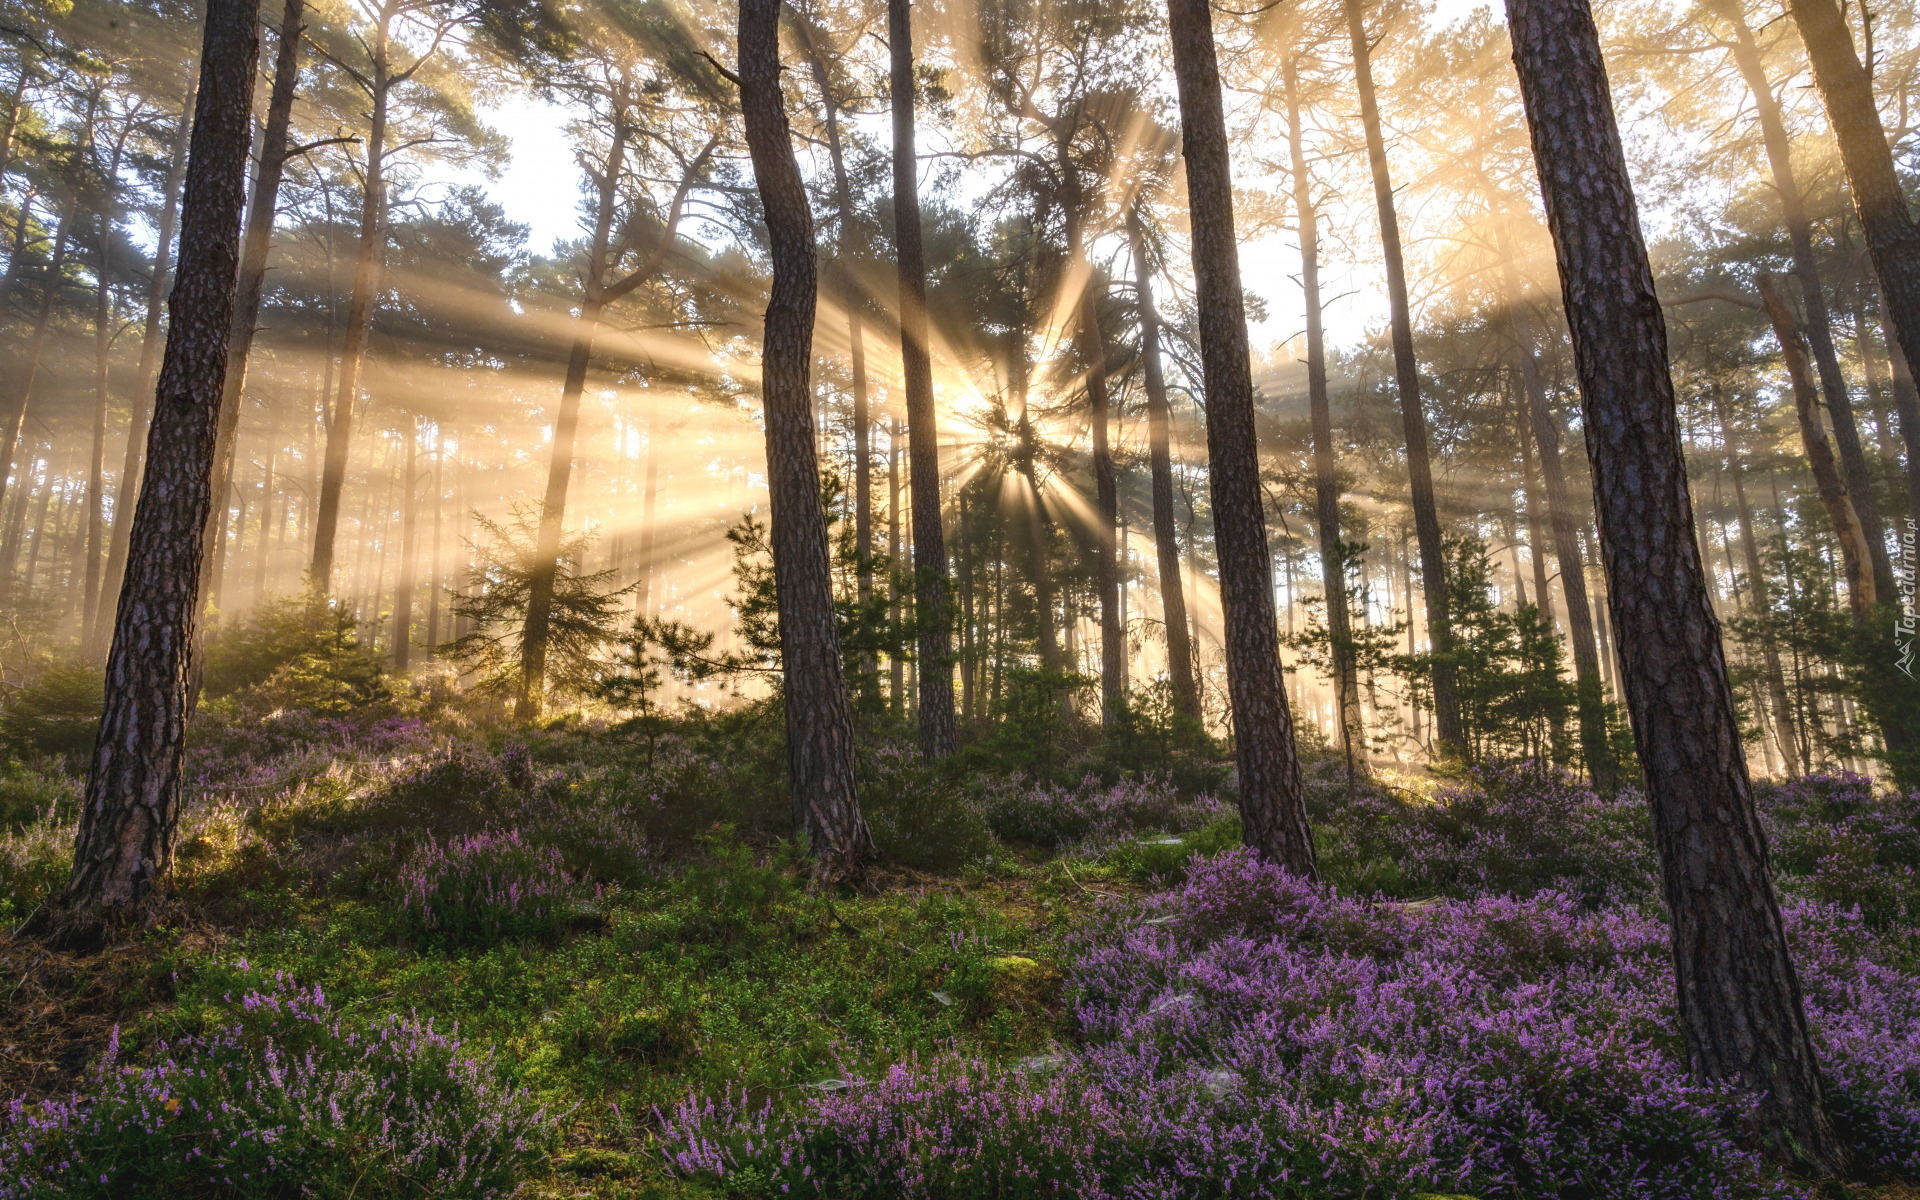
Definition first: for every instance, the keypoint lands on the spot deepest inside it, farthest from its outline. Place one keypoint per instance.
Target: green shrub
(55, 714)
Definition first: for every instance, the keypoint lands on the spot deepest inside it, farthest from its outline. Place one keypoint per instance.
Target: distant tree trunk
(266, 520)
(1106, 501)
(1326, 484)
(566, 426)
(1893, 241)
(1761, 591)
(17, 256)
(819, 720)
(1273, 811)
(897, 667)
(1842, 512)
(1166, 533)
(1536, 530)
(1413, 419)
(436, 573)
(125, 841)
(931, 584)
(1739, 999)
(1816, 324)
(15, 415)
(97, 466)
(648, 537)
(369, 262)
(255, 243)
(1589, 687)
(1906, 404)
(409, 536)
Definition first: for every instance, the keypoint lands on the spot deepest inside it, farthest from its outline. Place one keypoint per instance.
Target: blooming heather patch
(285, 1098)
(480, 888)
(1836, 838)
(1094, 815)
(1248, 1034)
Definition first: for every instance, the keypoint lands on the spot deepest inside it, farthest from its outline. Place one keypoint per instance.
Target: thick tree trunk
(1166, 534)
(931, 584)
(1739, 999)
(1273, 811)
(1413, 418)
(1589, 687)
(1326, 484)
(1815, 323)
(409, 536)
(1835, 497)
(125, 840)
(819, 720)
(369, 262)
(256, 242)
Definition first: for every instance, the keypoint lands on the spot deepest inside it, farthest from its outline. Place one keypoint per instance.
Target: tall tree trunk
(436, 573)
(1273, 811)
(1536, 530)
(1326, 484)
(1835, 497)
(1815, 323)
(97, 463)
(1106, 497)
(1589, 687)
(125, 841)
(1893, 240)
(931, 584)
(261, 546)
(1906, 405)
(1413, 419)
(129, 485)
(566, 426)
(648, 538)
(1761, 591)
(1739, 999)
(15, 415)
(1166, 534)
(409, 536)
(819, 720)
(369, 262)
(255, 243)
(897, 667)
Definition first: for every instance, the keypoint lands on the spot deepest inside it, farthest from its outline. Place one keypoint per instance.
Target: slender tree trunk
(97, 464)
(436, 573)
(1589, 688)
(1815, 323)
(1906, 404)
(1273, 811)
(15, 416)
(125, 841)
(261, 546)
(1166, 533)
(256, 242)
(369, 262)
(819, 720)
(897, 667)
(39, 524)
(1739, 999)
(1093, 348)
(1761, 591)
(1834, 495)
(1326, 484)
(931, 583)
(409, 535)
(1536, 530)
(1413, 419)
(1893, 240)
(648, 537)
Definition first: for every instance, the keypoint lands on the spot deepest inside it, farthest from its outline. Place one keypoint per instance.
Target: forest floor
(1064, 988)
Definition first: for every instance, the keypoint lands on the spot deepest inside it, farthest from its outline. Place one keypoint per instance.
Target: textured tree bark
(1739, 999)
(1166, 534)
(1413, 418)
(256, 241)
(1589, 688)
(819, 720)
(125, 841)
(1816, 324)
(1835, 497)
(931, 584)
(1273, 811)
(1326, 484)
